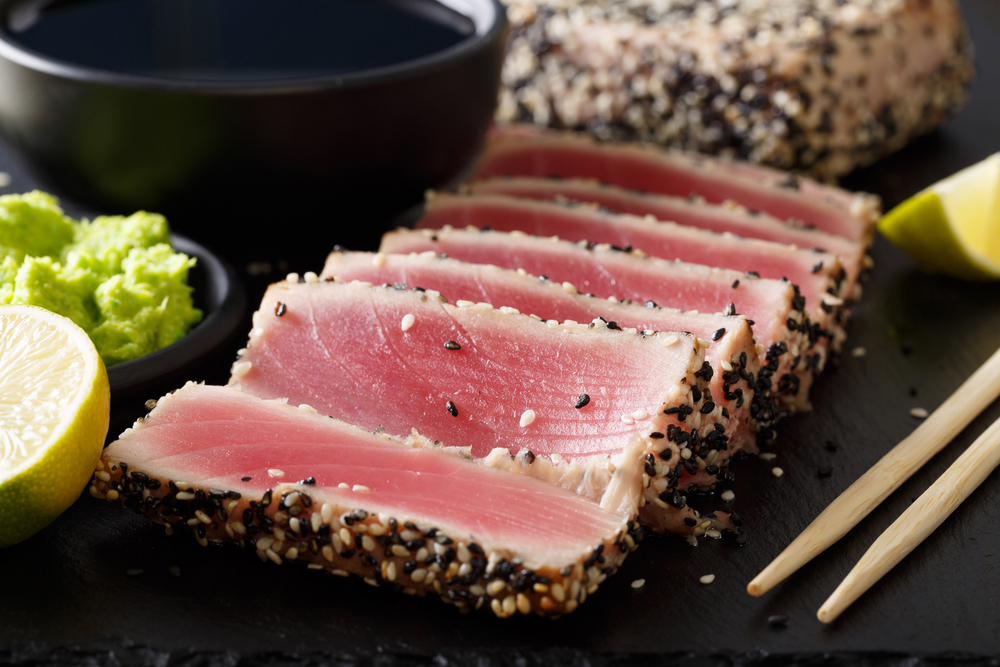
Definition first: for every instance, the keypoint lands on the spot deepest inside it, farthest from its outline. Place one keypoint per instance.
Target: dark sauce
(236, 40)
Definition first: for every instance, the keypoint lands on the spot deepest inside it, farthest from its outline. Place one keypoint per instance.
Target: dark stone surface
(104, 587)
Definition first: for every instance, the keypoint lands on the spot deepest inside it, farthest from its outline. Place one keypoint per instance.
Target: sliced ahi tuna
(818, 275)
(529, 152)
(731, 354)
(487, 379)
(297, 486)
(780, 323)
(693, 212)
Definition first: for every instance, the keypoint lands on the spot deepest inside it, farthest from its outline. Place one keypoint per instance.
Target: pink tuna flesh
(467, 376)
(671, 173)
(604, 272)
(817, 274)
(712, 217)
(730, 335)
(215, 437)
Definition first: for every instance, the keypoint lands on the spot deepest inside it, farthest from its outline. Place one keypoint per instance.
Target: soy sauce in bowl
(236, 40)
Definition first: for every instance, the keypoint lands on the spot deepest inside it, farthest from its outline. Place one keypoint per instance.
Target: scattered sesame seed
(378, 260)
(582, 401)
(919, 413)
(4, 179)
(767, 456)
(777, 472)
(360, 488)
(275, 472)
(638, 583)
(292, 277)
(707, 579)
(859, 352)
(310, 277)
(452, 345)
(777, 621)
(450, 407)
(408, 321)
(527, 417)
(727, 496)
(150, 404)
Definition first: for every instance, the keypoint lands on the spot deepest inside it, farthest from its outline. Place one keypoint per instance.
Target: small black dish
(221, 297)
(160, 118)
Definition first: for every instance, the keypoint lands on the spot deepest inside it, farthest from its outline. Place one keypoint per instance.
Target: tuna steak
(731, 352)
(534, 153)
(781, 326)
(223, 465)
(821, 86)
(693, 212)
(567, 399)
(818, 275)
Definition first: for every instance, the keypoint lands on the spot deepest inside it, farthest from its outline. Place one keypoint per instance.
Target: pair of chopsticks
(926, 513)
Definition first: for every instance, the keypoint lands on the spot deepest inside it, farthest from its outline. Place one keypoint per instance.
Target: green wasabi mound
(116, 277)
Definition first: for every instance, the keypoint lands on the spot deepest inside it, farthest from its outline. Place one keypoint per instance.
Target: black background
(96, 586)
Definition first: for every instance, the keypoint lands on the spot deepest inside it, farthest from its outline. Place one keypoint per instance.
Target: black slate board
(101, 586)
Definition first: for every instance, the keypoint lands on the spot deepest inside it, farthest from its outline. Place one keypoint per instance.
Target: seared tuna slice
(295, 485)
(487, 379)
(818, 275)
(780, 324)
(692, 212)
(521, 152)
(811, 85)
(731, 350)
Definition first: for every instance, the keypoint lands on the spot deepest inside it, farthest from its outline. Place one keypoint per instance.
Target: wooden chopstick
(921, 519)
(854, 504)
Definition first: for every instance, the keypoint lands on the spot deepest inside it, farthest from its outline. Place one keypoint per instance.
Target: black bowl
(253, 155)
(221, 297)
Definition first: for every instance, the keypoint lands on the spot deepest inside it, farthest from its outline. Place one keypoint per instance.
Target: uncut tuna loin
(730, 337)
(224, 464)
(780, 325)
(692, 212)
(567, 399)
(528, 152)
(818, 275)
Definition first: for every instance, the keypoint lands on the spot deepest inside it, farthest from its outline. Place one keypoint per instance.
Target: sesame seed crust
(285, 524)
(821, 86)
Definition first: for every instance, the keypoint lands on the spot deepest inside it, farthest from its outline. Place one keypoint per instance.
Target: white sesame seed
(292, 277)
(527, 417)
(685, 453)
(360, 488)
(858, 352)
(726, 366)
(712, 532)
(727, 496)
(4, 179)
(569, 288)
(767, 456)
(185, 495)
(343, 485)
(777, 472)
(275, 472)
(462, 303)
(638, 583)
(310, 277)
(707, 579)
(670, 340)
(919, 413)
(378, 260)
(640, 414)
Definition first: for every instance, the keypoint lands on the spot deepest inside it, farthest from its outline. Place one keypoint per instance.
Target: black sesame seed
(817, 268)
(736, 283)
(582, 401)
(718, 334)
(824, 471)
(529, 457)
(452, 345)
(311, 481)
(450, 407)
(707, 408)
(656, 435)
(245, 479)
(777, 621)
(280, 309)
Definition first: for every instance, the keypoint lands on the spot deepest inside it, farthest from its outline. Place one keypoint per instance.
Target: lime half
(953, 227)
(54, 410)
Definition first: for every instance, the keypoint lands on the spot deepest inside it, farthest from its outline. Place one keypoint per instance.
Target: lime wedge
(953, 227)
(54, 409)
